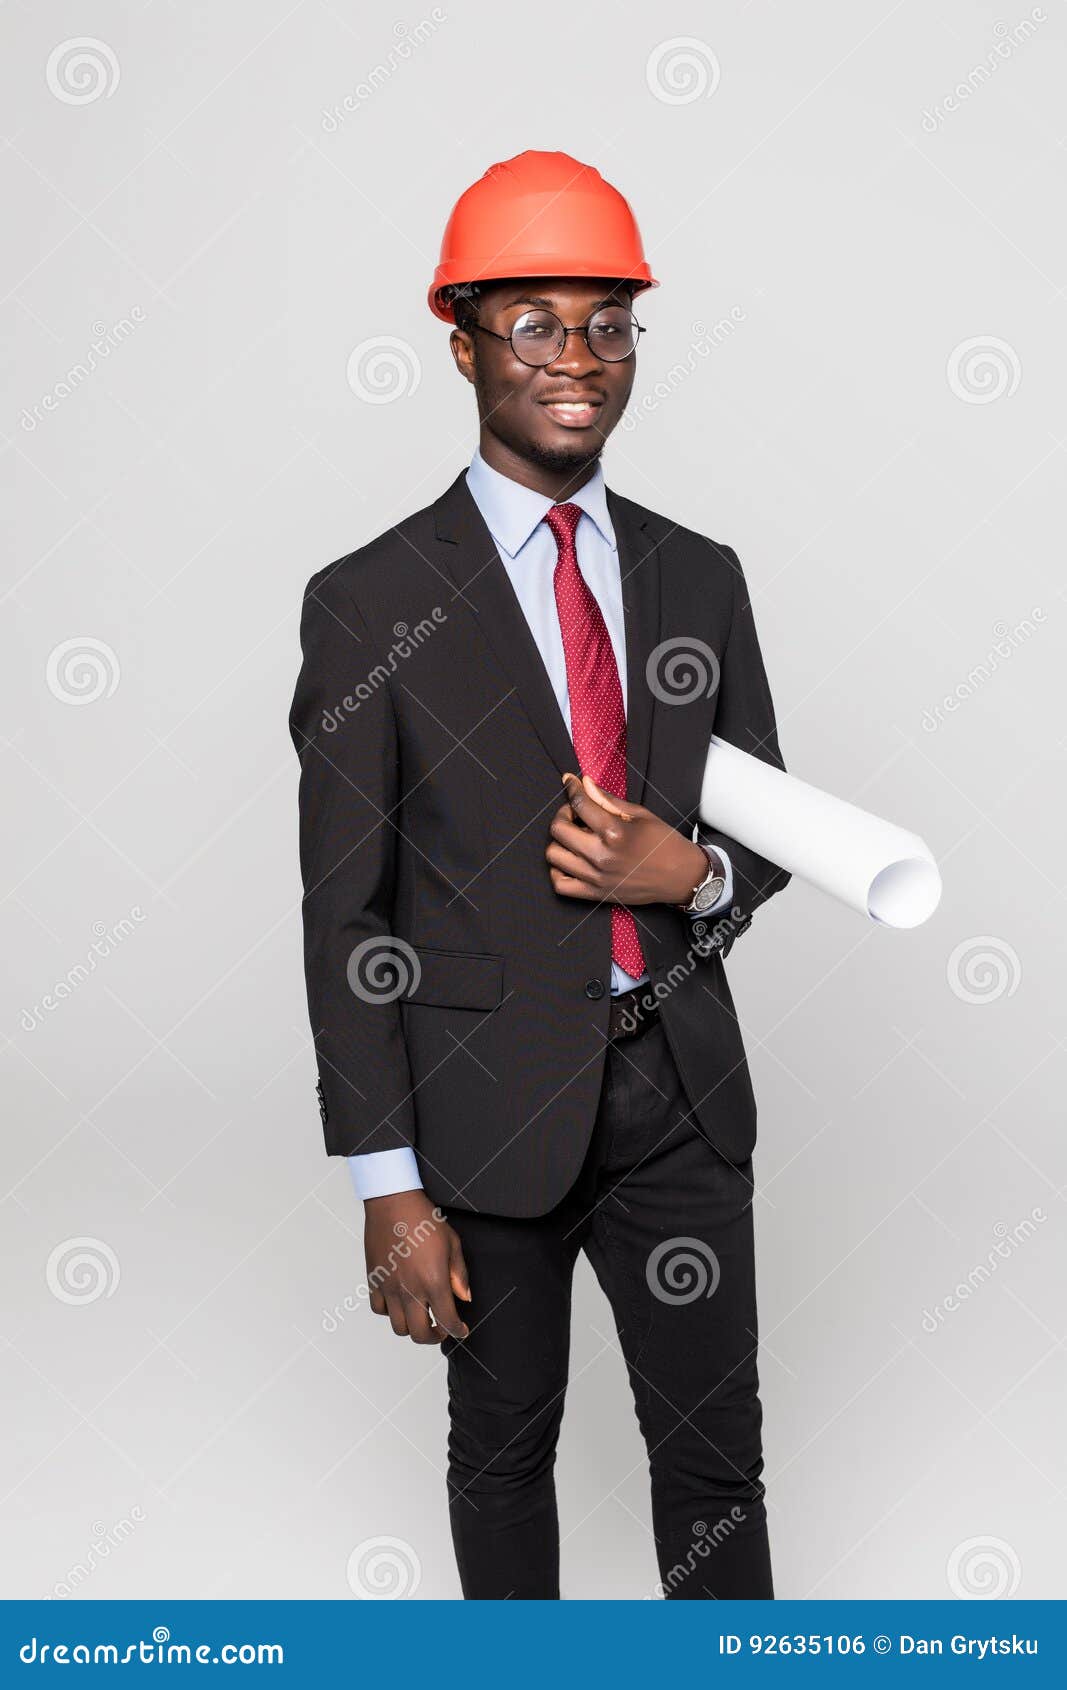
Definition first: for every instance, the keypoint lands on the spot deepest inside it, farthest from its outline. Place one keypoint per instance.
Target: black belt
(632, 1013)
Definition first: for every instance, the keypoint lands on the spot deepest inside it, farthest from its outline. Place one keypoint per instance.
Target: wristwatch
(711, 888)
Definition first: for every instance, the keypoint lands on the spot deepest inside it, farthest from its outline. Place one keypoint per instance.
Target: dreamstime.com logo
(682, 70)
(1007, 640)
(703, 945)
(406, 642)
(383, 369)
(105, 1540)
(706, 939)
(407, 1239)
(408, 38)
(1007, 42)
(682, 669)
(82, 70)
(383, 1569)
(82, 670)
(983, 1568)
(82, 1270)
(983, 369)
(106, 338)
(1008, 1241)
(155, 1651)
(705, 1541)
(106, 940)
(703, 346)
(382, 968)
(983, 969)
(683, 1270)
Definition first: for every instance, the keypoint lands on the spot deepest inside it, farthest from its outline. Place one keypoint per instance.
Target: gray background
(876, 430)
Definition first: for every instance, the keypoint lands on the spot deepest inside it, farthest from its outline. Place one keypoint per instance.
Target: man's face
(520, 404)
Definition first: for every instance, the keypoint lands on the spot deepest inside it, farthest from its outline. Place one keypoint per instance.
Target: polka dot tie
(598, 720)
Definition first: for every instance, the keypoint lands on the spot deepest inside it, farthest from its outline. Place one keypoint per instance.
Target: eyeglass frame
(582, 329)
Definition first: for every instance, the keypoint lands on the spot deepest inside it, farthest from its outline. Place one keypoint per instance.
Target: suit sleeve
(344, 729)
(745, 718)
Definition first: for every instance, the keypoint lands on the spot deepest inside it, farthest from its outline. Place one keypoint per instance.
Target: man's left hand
(606, 848)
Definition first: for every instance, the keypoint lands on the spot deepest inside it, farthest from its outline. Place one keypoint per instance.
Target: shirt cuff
(380, 1173)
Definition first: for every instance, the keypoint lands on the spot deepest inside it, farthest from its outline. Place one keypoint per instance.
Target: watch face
(710, 893)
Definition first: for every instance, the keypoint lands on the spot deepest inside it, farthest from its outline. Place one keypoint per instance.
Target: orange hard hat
(539, 214)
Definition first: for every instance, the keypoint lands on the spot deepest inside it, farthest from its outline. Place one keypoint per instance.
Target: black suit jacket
(458, 1003)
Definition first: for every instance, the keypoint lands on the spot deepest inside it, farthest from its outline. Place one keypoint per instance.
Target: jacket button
(594, 988)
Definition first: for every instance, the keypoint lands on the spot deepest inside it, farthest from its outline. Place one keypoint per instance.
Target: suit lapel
(473, 563)
(470, 556)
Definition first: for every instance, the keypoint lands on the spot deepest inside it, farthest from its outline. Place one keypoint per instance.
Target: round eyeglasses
(538, 337)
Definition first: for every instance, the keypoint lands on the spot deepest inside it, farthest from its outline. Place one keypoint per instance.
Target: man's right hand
(415, 1267)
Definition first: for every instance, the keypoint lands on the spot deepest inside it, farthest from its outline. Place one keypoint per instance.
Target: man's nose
(575, 356)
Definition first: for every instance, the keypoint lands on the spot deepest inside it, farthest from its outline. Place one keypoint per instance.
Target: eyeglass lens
(538, 336)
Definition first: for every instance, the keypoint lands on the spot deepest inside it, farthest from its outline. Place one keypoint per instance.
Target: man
(514, 947)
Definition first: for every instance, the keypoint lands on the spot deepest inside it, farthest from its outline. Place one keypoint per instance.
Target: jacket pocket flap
(456, 979)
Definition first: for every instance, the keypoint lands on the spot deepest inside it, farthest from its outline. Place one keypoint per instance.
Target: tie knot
(563, 521)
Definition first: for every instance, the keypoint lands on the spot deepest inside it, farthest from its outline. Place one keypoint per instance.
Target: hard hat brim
(534, 264)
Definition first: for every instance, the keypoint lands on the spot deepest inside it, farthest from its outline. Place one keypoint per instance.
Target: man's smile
(573, 413)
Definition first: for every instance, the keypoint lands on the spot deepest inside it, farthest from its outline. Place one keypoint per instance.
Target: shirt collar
(512, 512)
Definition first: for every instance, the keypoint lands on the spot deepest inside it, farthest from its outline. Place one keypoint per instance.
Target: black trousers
(667, 1225)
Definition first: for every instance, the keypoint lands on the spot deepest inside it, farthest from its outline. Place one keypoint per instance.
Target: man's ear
(462, 348)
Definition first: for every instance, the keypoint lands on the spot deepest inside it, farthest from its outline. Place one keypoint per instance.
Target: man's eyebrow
(548, 304)
(532, 299)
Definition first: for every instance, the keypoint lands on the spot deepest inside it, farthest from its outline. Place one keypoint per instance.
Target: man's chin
(566, 456)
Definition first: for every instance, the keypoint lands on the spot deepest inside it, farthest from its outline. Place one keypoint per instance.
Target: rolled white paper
(873, 866)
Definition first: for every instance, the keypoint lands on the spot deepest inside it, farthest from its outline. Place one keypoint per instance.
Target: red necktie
(598, 720)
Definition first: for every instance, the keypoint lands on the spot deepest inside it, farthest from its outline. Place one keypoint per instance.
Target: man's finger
(398, 1319)
(567, 887)
(594, 809)
(445, 1312)
(569, 863)
(418, 1317)
(582, 841)
(457, 1270)
(577, 798)
(605, 799)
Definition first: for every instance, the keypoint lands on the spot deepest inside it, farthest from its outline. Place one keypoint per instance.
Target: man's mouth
(573, 413)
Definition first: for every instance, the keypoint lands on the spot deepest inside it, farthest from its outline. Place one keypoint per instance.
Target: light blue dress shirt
(514, 516)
